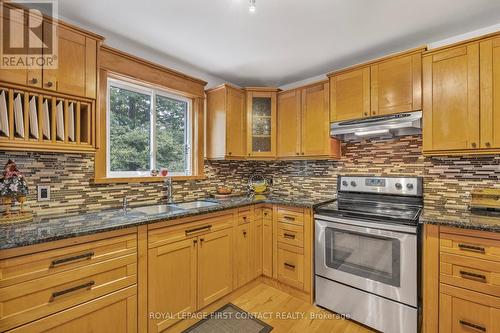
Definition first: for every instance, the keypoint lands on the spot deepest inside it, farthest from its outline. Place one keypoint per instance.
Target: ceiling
(284, 40)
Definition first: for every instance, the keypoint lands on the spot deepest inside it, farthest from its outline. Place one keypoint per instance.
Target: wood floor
(284, 312)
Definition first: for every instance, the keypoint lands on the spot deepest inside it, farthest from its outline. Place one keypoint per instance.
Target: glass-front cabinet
(261, 122)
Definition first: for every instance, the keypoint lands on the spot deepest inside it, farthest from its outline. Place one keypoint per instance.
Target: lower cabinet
(291, 265)
(187, 275)
(244, 254)
(113, 313)
(267, 247)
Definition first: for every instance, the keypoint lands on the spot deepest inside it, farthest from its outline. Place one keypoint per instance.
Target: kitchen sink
(195, 204)
(157, 209)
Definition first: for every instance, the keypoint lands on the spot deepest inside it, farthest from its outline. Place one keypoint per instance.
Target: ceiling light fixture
(252, 6)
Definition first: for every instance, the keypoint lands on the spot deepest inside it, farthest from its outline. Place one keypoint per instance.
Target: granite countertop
(467, 219)
(50, 228)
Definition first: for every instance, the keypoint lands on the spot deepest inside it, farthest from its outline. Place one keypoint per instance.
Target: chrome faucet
(168, 188)
(125, 204)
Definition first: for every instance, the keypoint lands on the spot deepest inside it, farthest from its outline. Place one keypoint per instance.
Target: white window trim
(153, 143)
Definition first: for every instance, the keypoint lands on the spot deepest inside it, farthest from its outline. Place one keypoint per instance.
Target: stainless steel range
(367, 261)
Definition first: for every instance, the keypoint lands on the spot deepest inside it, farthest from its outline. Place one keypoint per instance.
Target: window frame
(153, 92)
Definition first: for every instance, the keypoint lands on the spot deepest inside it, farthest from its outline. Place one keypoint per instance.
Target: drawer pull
(290, 236)
(289, 265)
(473, 326)
(290, 218)
(67, 260)
(70, 290)
(472, 248)
(195, 230)
(473, 276)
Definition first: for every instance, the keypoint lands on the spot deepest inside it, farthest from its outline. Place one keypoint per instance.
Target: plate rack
(38, 121)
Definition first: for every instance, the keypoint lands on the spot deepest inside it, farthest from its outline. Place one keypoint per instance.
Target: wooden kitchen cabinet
(23, 76)
(258, 248)
(451, 99)
(261, 122)
(289, 123)
(76, 72)
(304, 123)
(490, 93)
(215, 266)
(267, 243)
(244, 254)
(350, 94)
(226, 127)
(396, 84)
(172, 281)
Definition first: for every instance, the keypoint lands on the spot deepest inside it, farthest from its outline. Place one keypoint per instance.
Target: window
(147, 130)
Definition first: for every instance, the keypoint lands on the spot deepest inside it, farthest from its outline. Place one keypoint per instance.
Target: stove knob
(399, 186)
(409, 186)
(353, 183)
(344, 183)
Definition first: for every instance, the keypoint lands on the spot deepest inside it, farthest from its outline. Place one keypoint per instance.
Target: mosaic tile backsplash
(448, 181)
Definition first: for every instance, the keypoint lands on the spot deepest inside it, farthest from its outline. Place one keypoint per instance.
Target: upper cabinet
(350, 95)
(461, 98)
(304, 123)
(76, 72)
(261, 122)
(226, 126)
(389, 85)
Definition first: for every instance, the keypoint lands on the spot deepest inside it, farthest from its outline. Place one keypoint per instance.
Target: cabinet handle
(67, 260)
(302, 153)
(229, 153)
(49, 84)
(289, 265)
(290, 218)
(473, 326)
(473, 276)
(34, 81)
(195, 230)
(288, 236)
(366, 113)
(195, 241)
(488, 144)
(474, 145)
(265, 213)
(201, 241)
(297, 153)
(244, 233)
(70, 290)
(472, 248)
(374, 112)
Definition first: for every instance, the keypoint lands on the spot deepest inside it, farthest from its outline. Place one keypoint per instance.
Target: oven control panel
(411, 186)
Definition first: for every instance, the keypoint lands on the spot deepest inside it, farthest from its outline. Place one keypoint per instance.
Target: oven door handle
(362, 230)
(361, 225)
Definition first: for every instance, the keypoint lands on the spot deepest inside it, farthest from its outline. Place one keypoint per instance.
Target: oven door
(363, 255)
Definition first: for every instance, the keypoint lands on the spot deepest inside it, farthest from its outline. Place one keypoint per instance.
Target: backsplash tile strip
(448, 181)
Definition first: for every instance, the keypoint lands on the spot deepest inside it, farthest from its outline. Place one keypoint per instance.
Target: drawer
(291, 216)
(167, 235)
(245, 216)
(467, 246)
(41, 264)
(291, 265)
(113, 313)
(466, 313)
(470, 273)
(290, 234)
(34, 299)
(267, 213)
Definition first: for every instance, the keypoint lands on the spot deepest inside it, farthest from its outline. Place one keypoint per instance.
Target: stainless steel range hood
(381, 126)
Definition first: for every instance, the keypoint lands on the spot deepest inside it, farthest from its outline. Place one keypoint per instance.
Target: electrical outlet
(43, 192)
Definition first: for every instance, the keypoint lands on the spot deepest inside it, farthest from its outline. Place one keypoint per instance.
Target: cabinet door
(451, 99)
(172, 273)
(17, 21)
(243, 254)
(215, 266)
(396, 85)
(113, 313)
(490, 93)
(235, 122)
(288, 123)
(216, 124)
(315, 121)
(257, 253)
(267, 247)
(261, 124)
(350, 95)
(76, 69)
